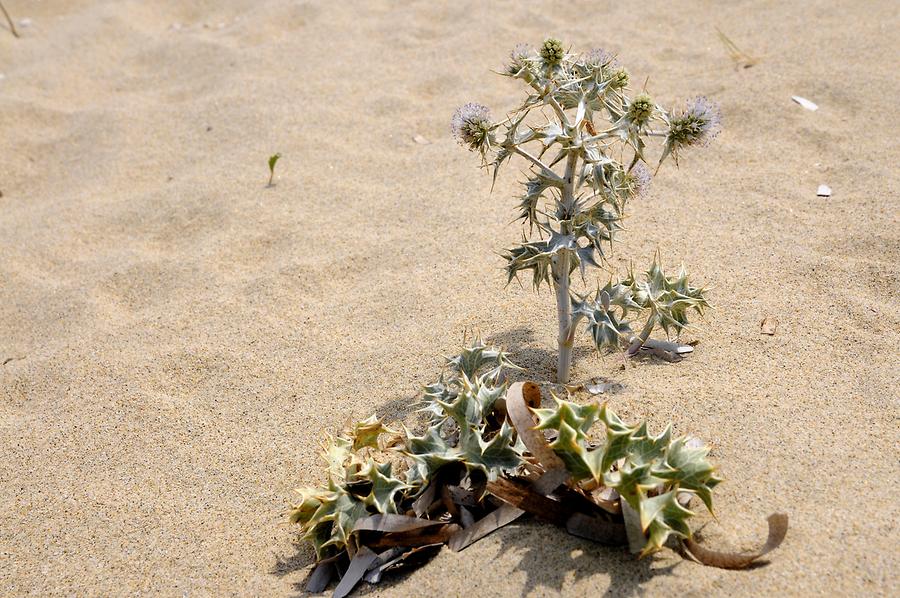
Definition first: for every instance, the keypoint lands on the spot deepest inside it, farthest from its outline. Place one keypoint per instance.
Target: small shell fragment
(824, 191)
(805, 103)
(420, 140)
(677, 348)
(768, 325)
(599, 386)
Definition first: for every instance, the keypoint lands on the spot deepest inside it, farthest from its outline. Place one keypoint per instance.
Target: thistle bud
(599, 59)
(640, 110)
(552, 51)
(619, 78)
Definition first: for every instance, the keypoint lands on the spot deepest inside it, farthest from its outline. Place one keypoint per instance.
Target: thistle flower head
(471, 125)
(638, 180)
(520, 61)
(640, 109)
(552, 51)
(599, 59)
(696, 123)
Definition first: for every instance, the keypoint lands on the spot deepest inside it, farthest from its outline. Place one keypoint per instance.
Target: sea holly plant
(586, 139)
(489, 452)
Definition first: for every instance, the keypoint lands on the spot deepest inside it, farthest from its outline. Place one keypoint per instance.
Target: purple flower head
(520, 60)
(599, 58)
(638, 180)
(696, 123)
(471, 125)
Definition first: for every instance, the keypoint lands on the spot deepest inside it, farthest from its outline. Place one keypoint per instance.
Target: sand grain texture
(181, 336)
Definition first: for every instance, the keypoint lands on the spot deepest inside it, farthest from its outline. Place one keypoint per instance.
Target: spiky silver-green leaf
(500, 453)
(384, 486)
(571, 423)
(427, 454)
(670, 298)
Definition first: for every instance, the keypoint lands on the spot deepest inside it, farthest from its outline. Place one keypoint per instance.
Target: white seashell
(824, 191)
(805, 103)
(599, 386)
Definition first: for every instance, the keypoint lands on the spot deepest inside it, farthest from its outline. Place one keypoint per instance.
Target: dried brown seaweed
(778, 526)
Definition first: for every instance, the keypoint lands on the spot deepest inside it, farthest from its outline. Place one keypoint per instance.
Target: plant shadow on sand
(538, 361)
(550, 558)
(304, 556)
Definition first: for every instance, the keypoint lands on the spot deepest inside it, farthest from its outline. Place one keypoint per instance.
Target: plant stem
(561, 267)
(563, 311)
(12, 27)
(638, 341)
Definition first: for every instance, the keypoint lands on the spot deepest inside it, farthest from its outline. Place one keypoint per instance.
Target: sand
(175, 337)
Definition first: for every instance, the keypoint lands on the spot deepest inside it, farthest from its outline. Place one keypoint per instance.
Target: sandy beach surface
(175, 337)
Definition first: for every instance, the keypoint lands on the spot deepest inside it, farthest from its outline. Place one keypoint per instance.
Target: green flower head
(619, 78)
(552, 51)
(641, 109)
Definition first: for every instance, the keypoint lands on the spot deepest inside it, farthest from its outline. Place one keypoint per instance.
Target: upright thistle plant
(492, 451)
(582, 174)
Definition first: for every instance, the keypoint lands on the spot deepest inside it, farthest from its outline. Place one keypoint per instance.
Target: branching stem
(544, 168)
(559, 111)
(636, 342)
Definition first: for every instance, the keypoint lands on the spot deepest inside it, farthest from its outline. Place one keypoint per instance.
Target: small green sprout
(273, 159)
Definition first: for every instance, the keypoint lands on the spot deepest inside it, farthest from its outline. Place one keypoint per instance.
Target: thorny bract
(582, 174)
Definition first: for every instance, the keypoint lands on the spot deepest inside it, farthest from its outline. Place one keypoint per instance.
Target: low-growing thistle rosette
(405, 493)
(582, 174)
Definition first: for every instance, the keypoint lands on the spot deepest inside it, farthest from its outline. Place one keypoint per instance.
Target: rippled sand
(175, 337)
